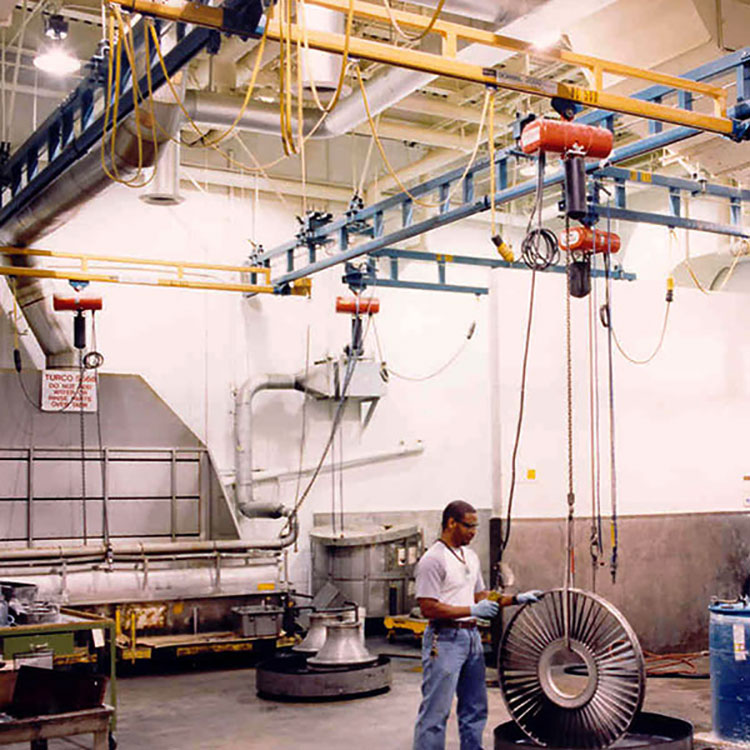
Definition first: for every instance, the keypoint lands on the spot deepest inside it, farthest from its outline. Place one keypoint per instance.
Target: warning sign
(67, 390)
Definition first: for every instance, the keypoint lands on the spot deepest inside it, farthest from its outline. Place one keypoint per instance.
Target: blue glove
(529, 596)
(485, 609)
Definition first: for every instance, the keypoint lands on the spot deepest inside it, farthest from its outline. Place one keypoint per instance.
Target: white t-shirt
(442, 575)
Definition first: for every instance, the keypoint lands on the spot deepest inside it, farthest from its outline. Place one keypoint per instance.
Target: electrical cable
(606, 315)
(389, 166)
(411, 37)
(102, 459)
(440, 370)
(202, 136)
(532, 245)
(595, 534)
(350, 367)
(344, 57)
(656, 350)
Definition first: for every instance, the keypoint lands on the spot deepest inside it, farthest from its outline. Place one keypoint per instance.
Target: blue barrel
(729, 641)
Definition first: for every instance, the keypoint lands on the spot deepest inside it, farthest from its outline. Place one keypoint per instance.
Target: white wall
(680, 420)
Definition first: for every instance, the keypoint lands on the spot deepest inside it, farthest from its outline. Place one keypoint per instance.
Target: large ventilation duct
(58, 203)
(395, 84)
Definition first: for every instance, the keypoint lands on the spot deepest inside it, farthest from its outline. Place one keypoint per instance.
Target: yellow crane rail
(446, 64)
(180, 268)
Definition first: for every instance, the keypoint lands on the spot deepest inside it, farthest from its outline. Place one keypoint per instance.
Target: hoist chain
(570, 554)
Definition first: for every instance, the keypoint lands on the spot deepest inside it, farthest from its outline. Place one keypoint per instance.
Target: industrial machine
(331, 663)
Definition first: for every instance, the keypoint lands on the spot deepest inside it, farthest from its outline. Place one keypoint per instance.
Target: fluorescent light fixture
(56, 61)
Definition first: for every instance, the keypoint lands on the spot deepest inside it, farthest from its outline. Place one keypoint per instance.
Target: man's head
(460, 523)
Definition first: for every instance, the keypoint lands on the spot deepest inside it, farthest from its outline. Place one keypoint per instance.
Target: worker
(451, 594)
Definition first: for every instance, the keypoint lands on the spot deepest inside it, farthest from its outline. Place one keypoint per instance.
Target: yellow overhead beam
(178, 265)
(443, 65)
(180, 268)
(453, 31)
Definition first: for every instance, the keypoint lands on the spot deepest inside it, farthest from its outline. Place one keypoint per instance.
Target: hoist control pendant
(354, 305)
(585, 240)
(562, 137)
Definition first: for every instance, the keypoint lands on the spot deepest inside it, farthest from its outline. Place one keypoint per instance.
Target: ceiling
(428, 129)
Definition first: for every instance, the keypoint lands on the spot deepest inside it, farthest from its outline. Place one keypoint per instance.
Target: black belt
(459, 624)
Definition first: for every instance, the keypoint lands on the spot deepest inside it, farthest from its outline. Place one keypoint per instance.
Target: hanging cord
(389, 166)
(595, 534)
(439, 371)
(350, 367)
(539, 248)
(344, 57)
(531, 242)
(202, 139)
(125, 41)
(493, 173)
(412, 37)
(368, 158)
(657, 349)
(83, 454)
(606, 318)
(688, 265)
(102, 461)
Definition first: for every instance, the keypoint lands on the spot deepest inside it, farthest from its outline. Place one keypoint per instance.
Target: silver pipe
(243, 416)
(146, 549)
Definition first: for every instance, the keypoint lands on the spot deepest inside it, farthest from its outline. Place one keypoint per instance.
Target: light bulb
(57, 62)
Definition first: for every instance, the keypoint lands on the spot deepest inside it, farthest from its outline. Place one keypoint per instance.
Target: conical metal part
(316, 634)
(576, 689)
(342, 649)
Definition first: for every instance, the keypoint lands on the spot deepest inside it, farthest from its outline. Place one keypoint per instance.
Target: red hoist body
(585, 240)
(563, 137)
(60, 303)
(354, 305)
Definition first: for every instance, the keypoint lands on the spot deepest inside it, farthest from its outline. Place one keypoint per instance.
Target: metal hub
(579, 691)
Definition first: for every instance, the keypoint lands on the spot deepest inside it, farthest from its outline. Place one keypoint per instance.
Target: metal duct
(164, 189)
(56, 205)
(498, 14)
(395, 84)
(243, 416)
(75, 586)
(321, 68)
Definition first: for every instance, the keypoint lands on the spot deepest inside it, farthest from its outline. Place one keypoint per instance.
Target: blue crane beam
(660, 138)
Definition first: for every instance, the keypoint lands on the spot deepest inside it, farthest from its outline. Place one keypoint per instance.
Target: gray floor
(218, 710)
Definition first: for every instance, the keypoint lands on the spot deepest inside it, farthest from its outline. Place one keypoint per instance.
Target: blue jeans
(457, 669)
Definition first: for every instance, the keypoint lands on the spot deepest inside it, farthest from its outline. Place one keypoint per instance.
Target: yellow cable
(124, 40)
(302, 21)
(493, 186)
(388, 165)
(301, 129)
(424, 32)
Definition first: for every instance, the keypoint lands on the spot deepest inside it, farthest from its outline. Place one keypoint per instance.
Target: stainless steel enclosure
(372, 566)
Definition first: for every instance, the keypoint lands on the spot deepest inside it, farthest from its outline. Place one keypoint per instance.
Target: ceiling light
(56, 60)
(55, 27)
